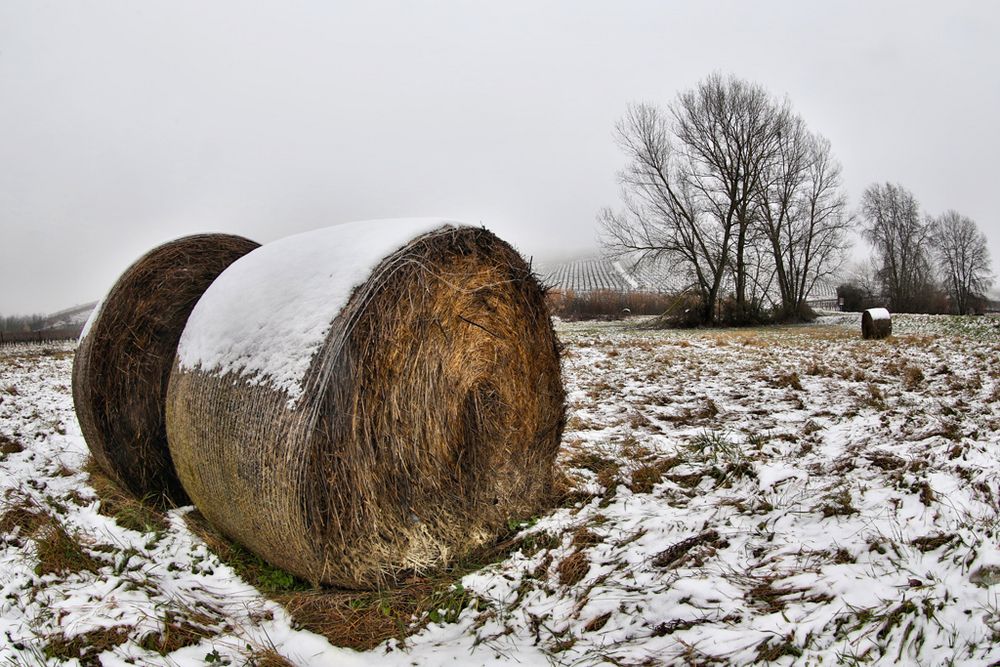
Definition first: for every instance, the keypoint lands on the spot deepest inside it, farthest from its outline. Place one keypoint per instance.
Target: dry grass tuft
(86, 647)
(268, 658)
(647, 476)
(21, 515)
(573, 568)
(789, 381)
(913, 378)
(673, 554)
(181, 630)
(120, 505)
(9, 446)
(59, 552)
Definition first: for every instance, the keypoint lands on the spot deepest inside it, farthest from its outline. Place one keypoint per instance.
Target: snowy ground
(794, 495)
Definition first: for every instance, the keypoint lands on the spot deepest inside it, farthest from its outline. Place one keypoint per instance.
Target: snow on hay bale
(876, 323)
(125, 355)
(370, 399)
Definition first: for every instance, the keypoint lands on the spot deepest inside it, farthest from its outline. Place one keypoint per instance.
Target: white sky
(126, 124)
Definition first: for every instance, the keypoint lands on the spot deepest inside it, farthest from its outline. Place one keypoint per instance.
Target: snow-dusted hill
(791, 495)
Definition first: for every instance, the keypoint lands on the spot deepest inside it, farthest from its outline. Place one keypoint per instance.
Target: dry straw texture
(875, 328)
(430, 416)
(123, 363)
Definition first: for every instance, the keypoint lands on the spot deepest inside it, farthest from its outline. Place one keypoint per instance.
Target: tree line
(730, 185)
(921, 263)
(21, 323)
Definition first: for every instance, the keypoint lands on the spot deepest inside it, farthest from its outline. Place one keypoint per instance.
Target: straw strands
(126, 351)
(368, 400)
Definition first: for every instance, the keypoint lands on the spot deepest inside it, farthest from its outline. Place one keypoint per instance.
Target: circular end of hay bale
(876, 323)
(428, 416)
(125, 354)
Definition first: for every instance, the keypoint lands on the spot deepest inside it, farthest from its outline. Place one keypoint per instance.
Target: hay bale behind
(350, 423)
(122, 364)
(876, 323)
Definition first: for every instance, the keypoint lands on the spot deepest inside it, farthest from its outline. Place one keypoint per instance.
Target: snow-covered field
(795, 495)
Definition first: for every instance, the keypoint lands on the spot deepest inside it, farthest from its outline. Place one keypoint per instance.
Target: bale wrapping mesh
(123, 362)
(876, 323)
(428, 416)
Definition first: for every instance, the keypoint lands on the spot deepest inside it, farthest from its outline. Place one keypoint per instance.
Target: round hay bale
(876, 323)
(126, 351)
(368, 400)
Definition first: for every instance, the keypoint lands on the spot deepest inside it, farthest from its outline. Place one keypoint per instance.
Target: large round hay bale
(122, 364)
(368, 400)
(876, 323)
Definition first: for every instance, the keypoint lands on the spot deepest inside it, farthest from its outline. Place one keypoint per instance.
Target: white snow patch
(267, 314)
(878, 313)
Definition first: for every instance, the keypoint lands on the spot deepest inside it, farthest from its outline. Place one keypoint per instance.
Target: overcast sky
(126, 124)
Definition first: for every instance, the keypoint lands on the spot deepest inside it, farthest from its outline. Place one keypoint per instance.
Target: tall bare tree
(692, 192)
(663, 217)
(962, 258)
(803, 211)
(729, 131)
(894, 226)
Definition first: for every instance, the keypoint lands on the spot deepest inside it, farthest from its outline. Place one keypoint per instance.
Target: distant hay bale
(876, 323)
(122, 364)
(368, 400)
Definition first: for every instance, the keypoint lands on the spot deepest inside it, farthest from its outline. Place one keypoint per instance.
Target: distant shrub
(606, 304)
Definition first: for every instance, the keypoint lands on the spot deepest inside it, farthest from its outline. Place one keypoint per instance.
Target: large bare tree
(803, 211)
(729, 131)
(693, 187)
(962, 258)
(663, 215)
(894, 226)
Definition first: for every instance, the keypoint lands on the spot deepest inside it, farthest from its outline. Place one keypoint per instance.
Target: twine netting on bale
(368, 400)
(126, 351)
(876, 323)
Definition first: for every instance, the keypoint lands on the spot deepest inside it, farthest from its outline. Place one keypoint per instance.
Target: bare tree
(689, 185)
(962, 258)
(730, 185)
(803, 211)
(728, 131)
(892, 223)
(662, 216)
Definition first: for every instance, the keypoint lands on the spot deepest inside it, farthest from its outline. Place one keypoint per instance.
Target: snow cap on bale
(125, 355)
(876, 323)
(369, 399)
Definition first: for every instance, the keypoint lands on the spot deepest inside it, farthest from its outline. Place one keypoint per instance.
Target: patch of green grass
(716, 447)
(446, 605)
